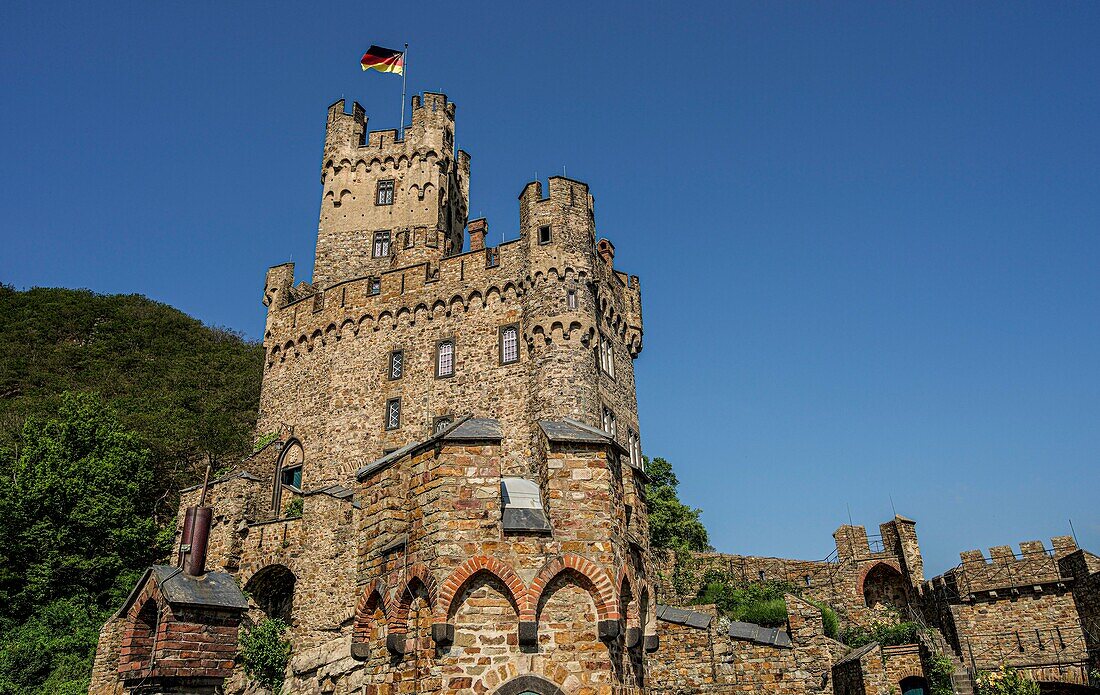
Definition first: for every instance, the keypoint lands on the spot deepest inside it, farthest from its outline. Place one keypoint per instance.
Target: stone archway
(272, 589)
(529, 685)
(884, 585)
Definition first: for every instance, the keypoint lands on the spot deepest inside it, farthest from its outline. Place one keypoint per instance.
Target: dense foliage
(108, 405)
(885, 633)
(78, 504)
(265, 653)
(186, 389)
(940, 670)
(759, 602)
(1006, 681)
(672, 524)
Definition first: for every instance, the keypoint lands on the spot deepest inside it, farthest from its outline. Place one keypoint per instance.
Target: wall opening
(272, 589)
(884, 586)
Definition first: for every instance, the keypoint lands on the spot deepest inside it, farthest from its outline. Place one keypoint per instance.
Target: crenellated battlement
(1033, 566)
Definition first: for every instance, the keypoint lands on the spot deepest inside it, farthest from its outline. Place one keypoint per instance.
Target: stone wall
(1084, 568)
(708, 660)
(858, 579)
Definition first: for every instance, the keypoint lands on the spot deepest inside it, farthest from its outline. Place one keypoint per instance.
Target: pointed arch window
(288, 473)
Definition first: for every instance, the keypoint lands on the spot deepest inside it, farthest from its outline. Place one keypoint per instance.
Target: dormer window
(385, 193)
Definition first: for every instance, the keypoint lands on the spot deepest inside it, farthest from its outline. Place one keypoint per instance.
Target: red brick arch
(374, 595)
(418, 573)
(451, 593)
(598, 585)
(867, 570)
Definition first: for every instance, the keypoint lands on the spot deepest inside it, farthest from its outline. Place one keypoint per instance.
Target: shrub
(1006, 681)
(265, 653)
(753, 602)
(829, 619)
(294, 509)
(885, 634)
(941, 668)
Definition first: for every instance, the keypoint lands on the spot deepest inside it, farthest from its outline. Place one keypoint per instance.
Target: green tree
(672, 524)
(265, 653)
(78, 507)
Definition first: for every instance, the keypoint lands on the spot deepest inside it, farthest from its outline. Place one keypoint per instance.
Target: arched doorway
(884, 585)
(529, 685)
(272, 588)
(914, 685)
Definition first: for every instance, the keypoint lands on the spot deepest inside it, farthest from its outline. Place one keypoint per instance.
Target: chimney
(478, 229)
(607, 251)
(196, 535)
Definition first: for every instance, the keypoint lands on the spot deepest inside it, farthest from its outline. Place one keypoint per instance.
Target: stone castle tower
(452, 499)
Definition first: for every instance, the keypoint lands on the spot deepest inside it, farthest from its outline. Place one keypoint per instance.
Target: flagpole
(404, 74)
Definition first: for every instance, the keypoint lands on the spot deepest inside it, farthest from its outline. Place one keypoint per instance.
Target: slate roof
(774, 636)
(683, 616)
(856, 654)
(339, 492)
(466, 428)
(216, 590)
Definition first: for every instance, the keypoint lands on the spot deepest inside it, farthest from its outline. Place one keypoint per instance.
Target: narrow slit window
(385, 192)
(571, 299)
(397, 364)
(509, 345)
(445, 361)
(393, 413)
(381, 247)
(544, 234)
(609, 421)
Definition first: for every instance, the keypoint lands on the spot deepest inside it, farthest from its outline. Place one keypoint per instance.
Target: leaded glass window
(385, 192)
(397, 364)
(393, 413)
(509, 345)
(445, 362)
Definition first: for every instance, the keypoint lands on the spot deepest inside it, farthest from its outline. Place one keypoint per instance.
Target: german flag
(383, 60)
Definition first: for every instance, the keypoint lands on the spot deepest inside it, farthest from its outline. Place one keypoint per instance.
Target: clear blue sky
(867, 233)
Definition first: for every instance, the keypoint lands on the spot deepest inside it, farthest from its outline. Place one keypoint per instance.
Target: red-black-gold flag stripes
(383, 60)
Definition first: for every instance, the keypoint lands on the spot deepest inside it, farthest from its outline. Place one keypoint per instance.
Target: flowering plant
(1005, 681)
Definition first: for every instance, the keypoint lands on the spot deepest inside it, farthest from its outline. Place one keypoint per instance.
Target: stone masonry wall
(707, 660)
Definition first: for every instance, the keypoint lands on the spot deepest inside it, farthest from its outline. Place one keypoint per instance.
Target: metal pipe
(200, 536)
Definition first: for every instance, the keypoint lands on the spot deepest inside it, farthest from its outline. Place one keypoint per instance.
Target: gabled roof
(216, 590)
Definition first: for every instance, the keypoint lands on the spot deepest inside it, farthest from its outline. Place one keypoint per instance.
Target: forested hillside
(108, 405)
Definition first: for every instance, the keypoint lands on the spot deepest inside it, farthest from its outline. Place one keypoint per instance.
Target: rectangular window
(606, 357)
(509, 344)
(807, 580)
(293, 476)
(492, 257)
(544, 234)
(441, 423)
(393, 413)
(385, 193)
(609, 421)
(397, 364)
(375, 286)
(381, 248)
(571, 299)
(445, 358)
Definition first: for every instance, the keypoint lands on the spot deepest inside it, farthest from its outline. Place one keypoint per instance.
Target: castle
(448, 493)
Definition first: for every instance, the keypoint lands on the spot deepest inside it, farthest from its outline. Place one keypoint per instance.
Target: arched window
(509, 345)
(884, 585)
(528, 685)
(445, 358)
(288, 473)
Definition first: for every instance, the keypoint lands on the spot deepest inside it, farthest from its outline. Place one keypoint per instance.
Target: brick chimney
(478, 229)
(607, 251)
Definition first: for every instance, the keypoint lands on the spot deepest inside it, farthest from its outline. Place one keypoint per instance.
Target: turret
(389, 201)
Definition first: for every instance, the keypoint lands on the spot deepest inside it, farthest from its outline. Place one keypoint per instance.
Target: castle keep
(448, 490)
